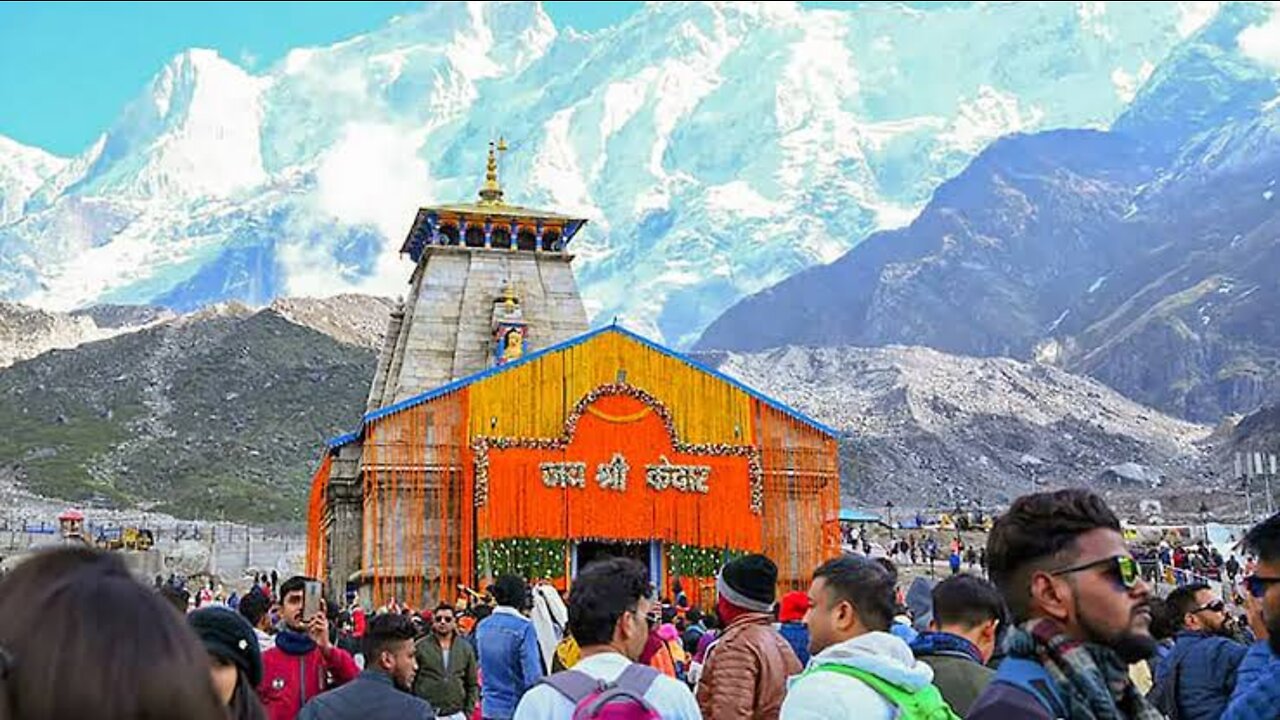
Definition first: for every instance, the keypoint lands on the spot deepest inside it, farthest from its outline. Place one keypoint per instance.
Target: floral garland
(613, 474)
(685, 478)
(694, 561)
(530, 558)
(565, 475)
(481, 445)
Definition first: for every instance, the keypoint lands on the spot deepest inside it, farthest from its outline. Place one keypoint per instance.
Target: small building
(71, 527)
(503, 436)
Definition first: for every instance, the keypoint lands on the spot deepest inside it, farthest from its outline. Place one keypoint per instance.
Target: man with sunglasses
(1257, 694)
(446, 675)
(1081, 610)
(1199, 674)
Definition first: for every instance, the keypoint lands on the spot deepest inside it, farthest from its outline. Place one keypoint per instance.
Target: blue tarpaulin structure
(852, 515)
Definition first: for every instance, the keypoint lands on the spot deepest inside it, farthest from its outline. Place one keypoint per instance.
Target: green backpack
(923, 704)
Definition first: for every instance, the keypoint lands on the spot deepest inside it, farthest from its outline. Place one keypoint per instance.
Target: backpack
(622, 699)
(923, 704)
(1031, 677)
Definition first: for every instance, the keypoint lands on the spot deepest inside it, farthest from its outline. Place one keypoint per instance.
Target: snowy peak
(23, 170)
(1221, 74)
(193, 134)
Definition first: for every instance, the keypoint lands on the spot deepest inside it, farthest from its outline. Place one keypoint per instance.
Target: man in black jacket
(381, 692)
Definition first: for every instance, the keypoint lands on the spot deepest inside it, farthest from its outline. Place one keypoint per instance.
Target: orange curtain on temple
(317, 530)
(418, 540)
(801, 495)
(520, 504)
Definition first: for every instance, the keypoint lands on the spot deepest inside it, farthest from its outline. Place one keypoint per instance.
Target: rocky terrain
(220, 413)
(923, 427)
(359, 320)
(26, 332)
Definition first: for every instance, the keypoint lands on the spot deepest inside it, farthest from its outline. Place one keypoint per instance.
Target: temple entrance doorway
(648, 554)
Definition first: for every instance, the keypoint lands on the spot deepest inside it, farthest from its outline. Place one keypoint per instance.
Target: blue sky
(67, 69)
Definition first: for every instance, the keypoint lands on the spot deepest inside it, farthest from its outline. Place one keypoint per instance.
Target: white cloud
(1193, 15)
(1262, 42)
(1127, 84)
(373, 176)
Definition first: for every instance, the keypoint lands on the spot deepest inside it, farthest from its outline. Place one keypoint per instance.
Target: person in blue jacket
(1257, 693)
(1201, 668)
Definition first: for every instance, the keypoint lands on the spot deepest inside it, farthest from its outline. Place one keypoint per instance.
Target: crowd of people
(1066, 626)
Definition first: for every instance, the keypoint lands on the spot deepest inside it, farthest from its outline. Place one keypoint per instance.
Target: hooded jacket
(831, 695)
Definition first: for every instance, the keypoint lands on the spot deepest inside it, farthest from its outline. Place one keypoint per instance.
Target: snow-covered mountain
(23, 170)
(716, 147)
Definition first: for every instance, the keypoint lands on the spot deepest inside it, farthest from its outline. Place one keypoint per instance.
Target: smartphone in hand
(310, 599)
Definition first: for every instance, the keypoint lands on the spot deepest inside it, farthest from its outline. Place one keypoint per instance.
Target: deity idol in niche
(511, 346)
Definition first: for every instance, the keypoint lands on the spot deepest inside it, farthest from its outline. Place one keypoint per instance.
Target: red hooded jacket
(290, 680)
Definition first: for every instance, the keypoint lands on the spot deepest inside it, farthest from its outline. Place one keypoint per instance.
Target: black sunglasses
(1215, 606)
(1121, 567)
(1257, 584)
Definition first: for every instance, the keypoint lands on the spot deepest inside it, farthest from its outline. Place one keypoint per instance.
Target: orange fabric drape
(521, 505)
(317, 525)
(801, 495)
(415, 498)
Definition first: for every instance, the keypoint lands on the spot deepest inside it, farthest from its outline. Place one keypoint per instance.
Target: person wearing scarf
(1083, 612)
(966, 612)
(303, 662)
(746, 668)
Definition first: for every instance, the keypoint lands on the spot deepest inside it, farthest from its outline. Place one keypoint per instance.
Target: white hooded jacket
(825, 694)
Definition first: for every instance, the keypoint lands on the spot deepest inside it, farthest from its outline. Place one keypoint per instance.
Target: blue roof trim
(474, 377)
(571, 342)
(344, 439)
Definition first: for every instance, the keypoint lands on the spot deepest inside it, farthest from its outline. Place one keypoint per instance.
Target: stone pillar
(512, 236)
(346, 502)
(539, 245)
(488, 234)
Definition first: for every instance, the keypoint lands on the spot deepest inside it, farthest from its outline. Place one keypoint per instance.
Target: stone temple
(501, 434)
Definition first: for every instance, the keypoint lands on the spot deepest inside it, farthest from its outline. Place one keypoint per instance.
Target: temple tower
(491, 282)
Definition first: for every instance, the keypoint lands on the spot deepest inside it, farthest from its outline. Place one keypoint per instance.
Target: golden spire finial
(509, 298)
(491, 193)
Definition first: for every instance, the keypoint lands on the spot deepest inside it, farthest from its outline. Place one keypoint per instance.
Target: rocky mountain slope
(221, 413)
(1147, 266)
(927, 428)
(359, 320)
(26, 332)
